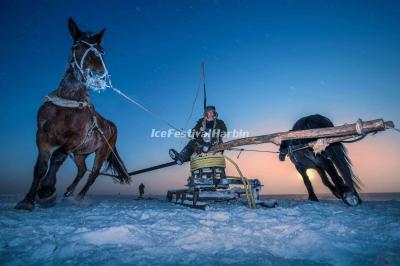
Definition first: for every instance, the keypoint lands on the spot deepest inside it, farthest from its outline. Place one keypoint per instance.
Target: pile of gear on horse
(68, 125)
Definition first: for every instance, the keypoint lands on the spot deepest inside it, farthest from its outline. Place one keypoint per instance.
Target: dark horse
(333, 162)
(67, 123)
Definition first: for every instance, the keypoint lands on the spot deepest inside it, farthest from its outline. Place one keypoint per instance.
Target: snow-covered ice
(114, 230)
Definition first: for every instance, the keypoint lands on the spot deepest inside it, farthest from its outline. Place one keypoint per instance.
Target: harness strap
(92, 48)
(94, 127)
(98, 129)
(66, 103)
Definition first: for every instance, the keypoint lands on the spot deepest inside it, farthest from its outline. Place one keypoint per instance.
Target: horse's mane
(312, 121)
(309, 122)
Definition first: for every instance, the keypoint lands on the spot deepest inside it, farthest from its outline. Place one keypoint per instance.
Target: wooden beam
(340, 131)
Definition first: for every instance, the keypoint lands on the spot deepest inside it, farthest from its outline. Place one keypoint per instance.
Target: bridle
(79, 66)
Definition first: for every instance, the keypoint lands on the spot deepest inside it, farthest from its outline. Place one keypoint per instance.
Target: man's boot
(181, 157)
(175, 156)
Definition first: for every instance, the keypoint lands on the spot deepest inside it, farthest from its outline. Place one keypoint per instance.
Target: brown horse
(67, 124)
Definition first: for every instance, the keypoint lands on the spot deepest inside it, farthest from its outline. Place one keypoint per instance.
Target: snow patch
(113, 235)
(119, 235)
(118, 230)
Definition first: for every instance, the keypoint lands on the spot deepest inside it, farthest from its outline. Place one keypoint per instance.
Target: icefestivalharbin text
(173, 133)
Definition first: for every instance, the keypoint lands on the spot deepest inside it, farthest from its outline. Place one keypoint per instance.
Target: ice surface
(121, 230)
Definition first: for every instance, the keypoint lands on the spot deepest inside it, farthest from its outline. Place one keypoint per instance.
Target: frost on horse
(67, 123)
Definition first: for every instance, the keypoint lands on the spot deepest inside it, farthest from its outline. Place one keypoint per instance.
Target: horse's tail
(115, 163)
(338, 154)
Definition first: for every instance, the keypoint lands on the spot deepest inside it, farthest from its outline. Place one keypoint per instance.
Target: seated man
(208, 131)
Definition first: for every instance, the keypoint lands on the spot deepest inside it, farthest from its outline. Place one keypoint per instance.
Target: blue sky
(268, 63)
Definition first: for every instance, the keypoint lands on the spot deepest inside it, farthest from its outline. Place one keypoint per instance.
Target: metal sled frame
(209, 182)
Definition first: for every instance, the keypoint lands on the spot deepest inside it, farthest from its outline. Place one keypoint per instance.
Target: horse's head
(87, 57)
(283, 150)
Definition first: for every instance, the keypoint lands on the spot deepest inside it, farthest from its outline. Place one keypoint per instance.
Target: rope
(111, 148)
(145, 109)
(299, 147)
(96, 127)
(88, 133)
(246, 184)
(240, 150)
(355, 140)
(219, 161)
(207, 161)
(204, 85)
(194, 101)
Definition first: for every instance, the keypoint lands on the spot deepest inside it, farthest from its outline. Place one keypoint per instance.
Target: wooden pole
(358, 128)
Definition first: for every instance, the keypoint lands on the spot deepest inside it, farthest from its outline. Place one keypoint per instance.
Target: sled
(209, 183)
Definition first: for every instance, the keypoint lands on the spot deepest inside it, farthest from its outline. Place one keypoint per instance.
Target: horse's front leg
(81, 164)
(101, 155)
(347, 193)
(307, 183)
(28, 203)
(47, 190)
(327, 182)
(336, 178)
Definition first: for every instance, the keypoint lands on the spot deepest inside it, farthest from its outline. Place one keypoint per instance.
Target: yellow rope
(219, 161)
(246, 184)
(207, 161)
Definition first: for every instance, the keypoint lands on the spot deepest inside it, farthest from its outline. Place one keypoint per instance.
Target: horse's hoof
(351, 199)
(25, 205)
(313, 198)
(79, 197)
(359, 200)
(68, 194)
(48, 201)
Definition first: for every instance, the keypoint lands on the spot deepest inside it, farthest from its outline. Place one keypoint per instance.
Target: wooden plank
(329, 132)
(152, 168)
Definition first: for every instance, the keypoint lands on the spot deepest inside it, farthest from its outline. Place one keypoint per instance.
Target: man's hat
(210, 108)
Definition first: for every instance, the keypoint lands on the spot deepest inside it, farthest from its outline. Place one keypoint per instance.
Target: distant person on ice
(208, 131)
(141, 190)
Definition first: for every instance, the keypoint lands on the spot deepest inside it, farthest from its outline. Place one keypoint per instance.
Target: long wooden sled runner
(330, 134)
